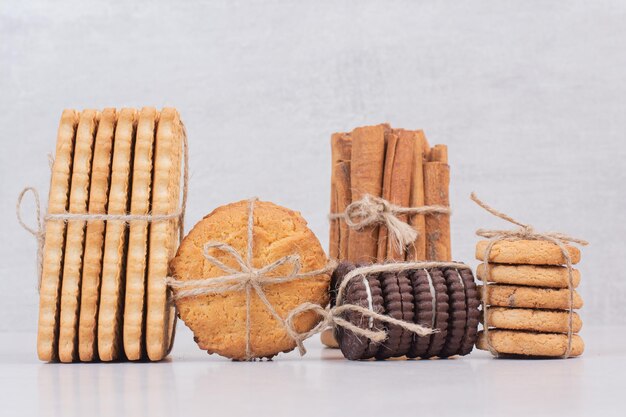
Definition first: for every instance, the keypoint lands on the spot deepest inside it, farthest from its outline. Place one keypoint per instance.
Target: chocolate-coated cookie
(473, 313)
(398, 302)
(424, 296)
(457, 313)
(364, 291)
(438, 339)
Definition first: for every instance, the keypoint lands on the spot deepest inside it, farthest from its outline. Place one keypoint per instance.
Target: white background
(528, 95)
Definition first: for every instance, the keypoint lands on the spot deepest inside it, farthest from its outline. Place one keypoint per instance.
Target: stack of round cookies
(528, 298)
(444, 299)
(103, 294)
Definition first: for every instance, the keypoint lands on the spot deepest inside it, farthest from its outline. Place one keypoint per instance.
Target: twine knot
(371, 210)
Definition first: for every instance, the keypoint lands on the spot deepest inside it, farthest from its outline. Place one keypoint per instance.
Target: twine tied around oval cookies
(371, 210)
(525, 232)
(332, 317)
(39, 231)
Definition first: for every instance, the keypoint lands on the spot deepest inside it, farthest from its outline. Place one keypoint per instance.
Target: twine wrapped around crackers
(39, 231)
(525, 232)
(332, 317)
(371, 211)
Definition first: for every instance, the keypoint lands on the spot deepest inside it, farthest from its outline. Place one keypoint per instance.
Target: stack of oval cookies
(528, 298)
(103, 294)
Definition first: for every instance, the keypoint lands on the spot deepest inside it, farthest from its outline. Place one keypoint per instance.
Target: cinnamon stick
(396, 186)
(344, 195)
(341, 148)
(366, 175)
(417, 251)
(436, 192)
(439, 153)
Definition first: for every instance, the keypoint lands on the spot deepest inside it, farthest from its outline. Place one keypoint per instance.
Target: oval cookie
(532, 275)
(531, 319)
(530, 344)
(530, 297)
(530, 252)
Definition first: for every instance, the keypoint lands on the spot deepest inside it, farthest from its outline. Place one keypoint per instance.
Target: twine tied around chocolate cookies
(525, 232)
(371, 210)
(332, 317)
(39, 231)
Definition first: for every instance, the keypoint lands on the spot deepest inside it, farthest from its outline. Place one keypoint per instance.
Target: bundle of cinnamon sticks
(399, 166)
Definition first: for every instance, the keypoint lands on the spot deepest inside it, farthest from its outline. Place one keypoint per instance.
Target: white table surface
(320, 384)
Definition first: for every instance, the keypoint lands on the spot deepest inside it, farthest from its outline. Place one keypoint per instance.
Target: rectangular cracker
(75, 237)
(160, 320)
(94, 236)
(138, 235)
(58, 199)
(113, 263)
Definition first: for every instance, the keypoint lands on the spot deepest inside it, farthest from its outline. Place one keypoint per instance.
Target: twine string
(371, 210)
(38, 232)
(525, 232)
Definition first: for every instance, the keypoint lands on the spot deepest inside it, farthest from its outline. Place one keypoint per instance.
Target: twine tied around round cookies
(332, 317)
(371, 210)
(525, 232)
(247, 278)
(39, 231)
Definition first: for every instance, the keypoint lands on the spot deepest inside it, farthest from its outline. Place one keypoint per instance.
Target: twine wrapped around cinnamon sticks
(525, 232)
(371, 211)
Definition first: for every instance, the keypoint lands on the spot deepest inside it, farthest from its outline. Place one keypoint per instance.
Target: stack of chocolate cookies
(445, 299)
(103, 294)
(528, 298)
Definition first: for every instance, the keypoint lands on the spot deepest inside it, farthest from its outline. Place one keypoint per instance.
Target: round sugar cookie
(530, 344)
(531, 275)
(218, 321)
(527, 252)
(530, 297)
(551, 321)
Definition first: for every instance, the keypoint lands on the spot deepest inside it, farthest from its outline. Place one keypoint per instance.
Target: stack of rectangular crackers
(103, 294)
(399, 166)
(528, 298)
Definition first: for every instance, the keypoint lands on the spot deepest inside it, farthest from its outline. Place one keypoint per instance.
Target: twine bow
(247, 278)
(371, 210)
(525, 232)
